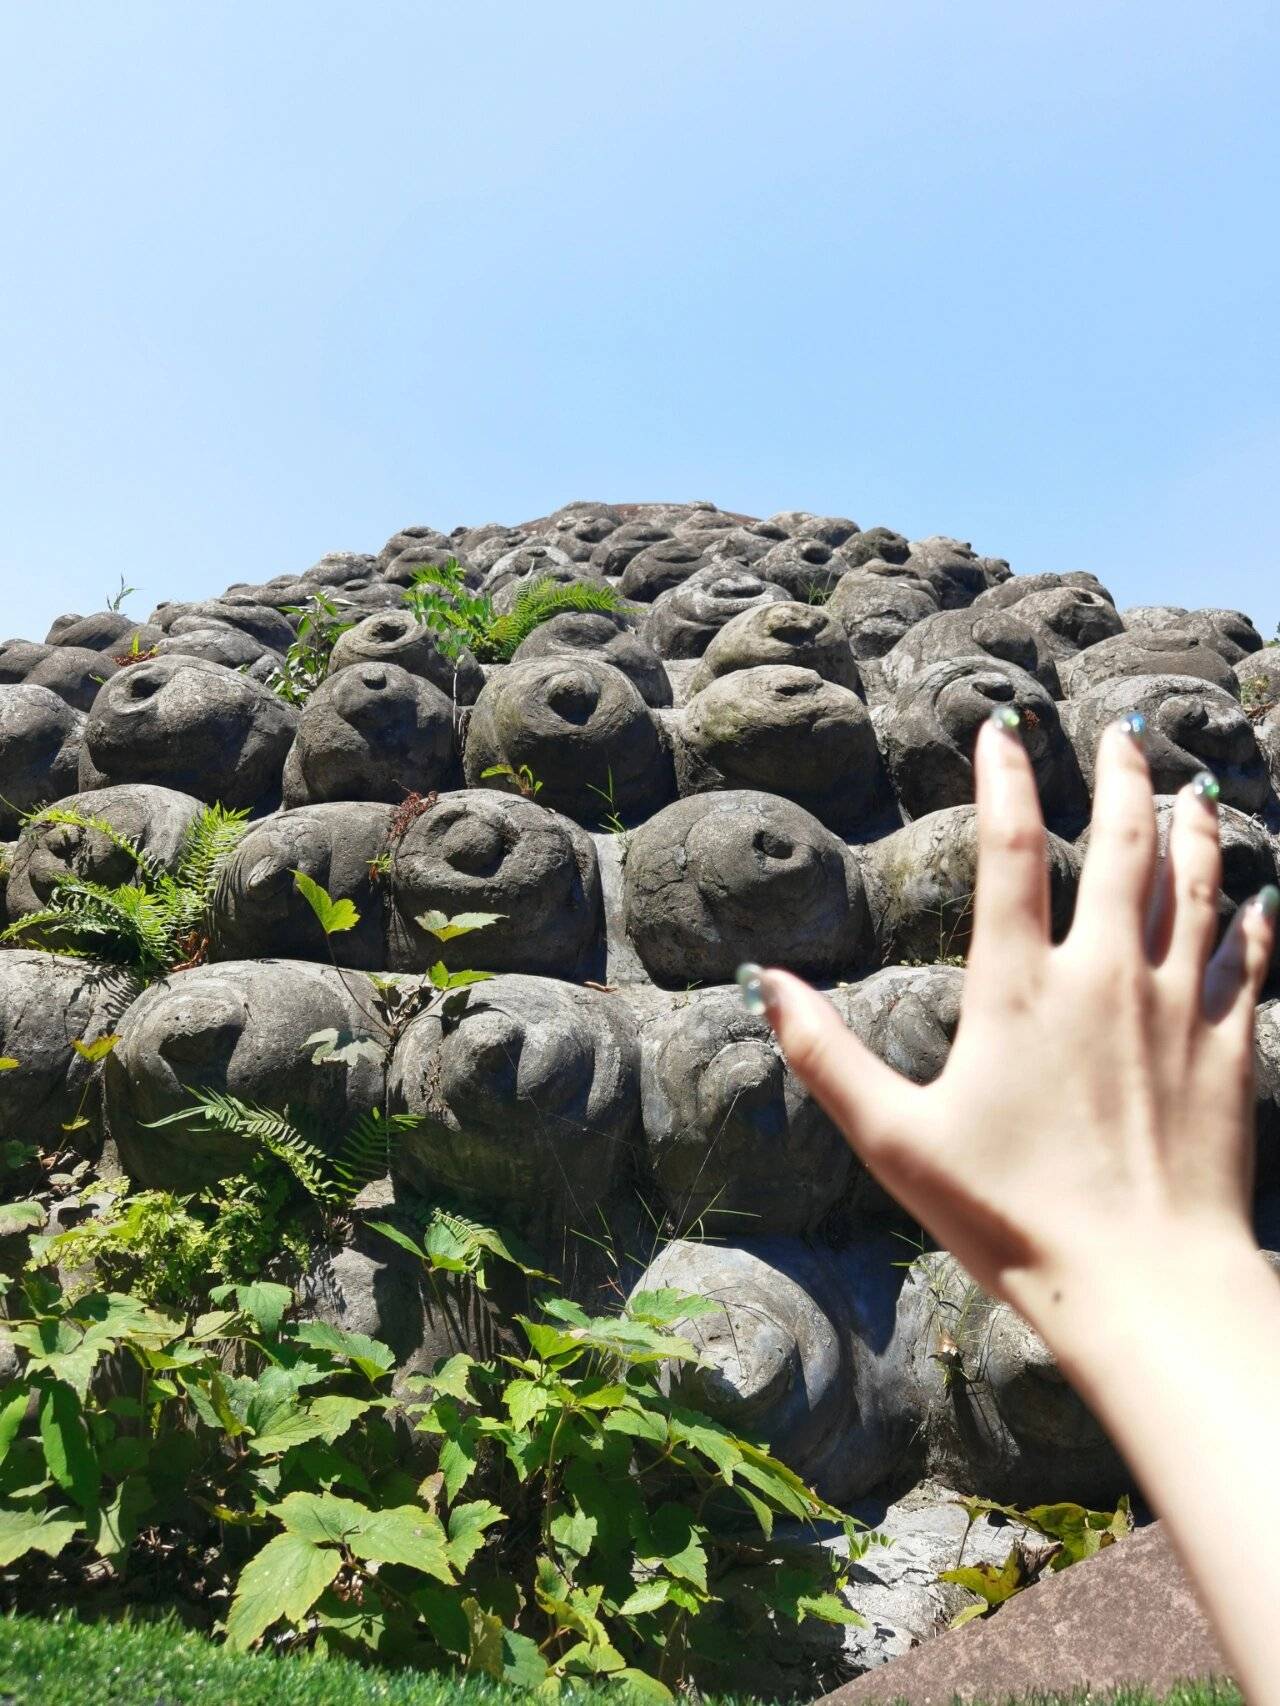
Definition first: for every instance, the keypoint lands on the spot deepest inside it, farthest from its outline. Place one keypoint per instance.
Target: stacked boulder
(764, 754)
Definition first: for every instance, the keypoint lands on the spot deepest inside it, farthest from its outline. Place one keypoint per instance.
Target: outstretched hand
(1099, 1092)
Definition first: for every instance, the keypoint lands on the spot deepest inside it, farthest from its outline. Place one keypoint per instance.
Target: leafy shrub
(155, 924)
(440, 598)
(306, 663)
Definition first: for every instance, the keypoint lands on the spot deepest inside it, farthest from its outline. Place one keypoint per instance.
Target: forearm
(1178, 1355)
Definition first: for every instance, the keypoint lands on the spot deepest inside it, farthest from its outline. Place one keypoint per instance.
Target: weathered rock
(1191, 726)
(74, 673)
(40, 738)
(928, 729)
(877, 609)
(48, 1002)
(1249, 853)
(736, 1145)
(583, 730)
(606, 634)
(1145, 651)
(479, 850)
(972, 633)
(1229, 632)
(907, 1015)
(154, 819)
(189, 724)
(227, 646)
(104, 631)
(684, 621)
(393, 636)
(372, 732)
(407, 537)
(1005, 594)
(18, 658)
(1069, 619)
(1258, 678)
(527, 565)
(789, 732)
(807, 1351)
(613, 553)
(258, 910)
(1001, 1419)
(657, 567)
(804, 635)
(528, 1096)
(954, 570)
(804, 566)
(920, 884)
(247, 1027)
(734, 876)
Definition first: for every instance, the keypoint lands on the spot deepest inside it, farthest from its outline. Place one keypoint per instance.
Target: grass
(62, 1662)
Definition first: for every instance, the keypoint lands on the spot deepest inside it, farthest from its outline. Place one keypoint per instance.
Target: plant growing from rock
(320, 625)
(440, 598)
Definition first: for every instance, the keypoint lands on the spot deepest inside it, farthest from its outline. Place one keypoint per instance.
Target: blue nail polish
(1267, 901)
(1134, 725)
(1206, 786)
(1007, 718)
(751, 983)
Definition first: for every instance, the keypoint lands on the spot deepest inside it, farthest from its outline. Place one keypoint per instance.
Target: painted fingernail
(1134, 725)
(1007, 719)
(1206, 786)
(1267, 901)
(753, 983)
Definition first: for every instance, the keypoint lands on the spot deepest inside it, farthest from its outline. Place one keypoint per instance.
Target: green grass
(66, 1663)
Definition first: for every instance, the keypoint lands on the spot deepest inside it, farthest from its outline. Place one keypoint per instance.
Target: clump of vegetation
(466, 621)
(320, 625)
(157, 923)
(1069, 1531)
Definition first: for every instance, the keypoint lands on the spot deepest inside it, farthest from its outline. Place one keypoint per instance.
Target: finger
(1011, 904)
(1115, 886)
(1236, 973)
(868, 1100)
(1195, 863)
(1160, 913)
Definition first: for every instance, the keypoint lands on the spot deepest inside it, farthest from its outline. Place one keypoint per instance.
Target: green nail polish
(750, 978)
(1206, 786)
(1267, 901)
(1007, 718)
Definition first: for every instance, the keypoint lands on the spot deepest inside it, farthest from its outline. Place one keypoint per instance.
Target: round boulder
(40, 738)
(968, 633)
(606, 634)
(394, 636)
(684, 621)
(876, 609)
(372, 732)
(803, 635)
(1147, 651)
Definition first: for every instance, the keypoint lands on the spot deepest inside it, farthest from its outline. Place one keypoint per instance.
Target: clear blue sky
(278, 278)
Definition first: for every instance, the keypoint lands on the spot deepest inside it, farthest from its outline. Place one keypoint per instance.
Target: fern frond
(368, 1149)
(274, 1132)
(213, 836)
(87, 820)
(120, 923)
(537, 604)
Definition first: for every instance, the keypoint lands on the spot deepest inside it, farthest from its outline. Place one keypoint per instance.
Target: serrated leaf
(649, 1596)
(24, 1531)
(574, 1531)
(523, 1666)
(458, 1458)
(397, 1237)
(118, 1521)
(95, 1051)
(452, 1378)
(978, 1608)
(19, 1217)
(670, 1537)
(467, 1525)
(405, 1534)
(525, 1401)
(342, 1048)
(334, 916)
(283, 1580)
(68, 1450)
(992, 1583)
(264, 1303)
(485, 1652)
(13, 1409)
(662, 1307)
(370, 1356)
(445, 928)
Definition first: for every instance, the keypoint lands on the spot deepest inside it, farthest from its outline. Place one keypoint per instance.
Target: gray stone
(928, 729)
(1009, 592)
(583, 730)
(373, 731)
(875, 545)
(479, 850)
(1070, 619)
(684, 621)
(40, 737)
(954, 570)
(803, 635)
(876, 609)
(154, 819)
(736, 1145)
(612, 555)
(804, 566)
(104, 631)
(658, 567)
(393, 636)
(48, 1002)
(227, 646)
(1258, 678)
(74, 673)
(1229, 632)
(244, 1027)
(192, 725)
(920, 884)
(1146, 651)
(734, 876)
(258, 910)
(1191, 726)
(967, 633)
(606, 634)
(789, 732)
(528, 1093)
(270, 627)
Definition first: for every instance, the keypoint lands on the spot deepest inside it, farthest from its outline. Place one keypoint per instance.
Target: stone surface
(393, 636)
(40, 741)
(803, 635)
(373, 731)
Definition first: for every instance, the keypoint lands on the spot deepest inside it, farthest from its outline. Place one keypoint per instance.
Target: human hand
(1097, 1103)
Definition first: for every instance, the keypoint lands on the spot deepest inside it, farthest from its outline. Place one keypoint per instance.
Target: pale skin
(1087, 1155)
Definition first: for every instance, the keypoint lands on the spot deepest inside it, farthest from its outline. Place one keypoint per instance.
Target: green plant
(612, 820)
(1072, 1532)
(117, 599)
(440, 598)
(155, 924)
(523, 779)
(320, 625)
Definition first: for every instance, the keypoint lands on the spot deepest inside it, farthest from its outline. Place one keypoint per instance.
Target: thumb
(869, 1101)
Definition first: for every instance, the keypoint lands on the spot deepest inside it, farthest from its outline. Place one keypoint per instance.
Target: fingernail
(1134, 725)
(753, 981)
(1206, 786)
(1267, 901)
(1007, 719)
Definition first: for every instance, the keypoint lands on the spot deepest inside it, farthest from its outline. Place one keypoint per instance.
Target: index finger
(1011, 904)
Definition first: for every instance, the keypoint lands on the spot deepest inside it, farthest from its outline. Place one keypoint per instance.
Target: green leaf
(467, 1525)
(663, 1307)
(523, 1666)
(8, 1063)
(118, 1521)
(670, 1537)
(484, 1640)
(992, 1584)
(649, 1596)
(97, 1050)
(458, 1458)
(34, 1531)
(19, 1217)
(68, 1451)
(525, 1401)
(977, 1608)
(452, 1378)
(574, 1531)
(334, 916)
(13, 1409)
(641, 1683)
(265, 1304)
(397, 1237)
(342, 1048)
(461, 924)
(283, 1580)
(405, 1534)
(370, 1356)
